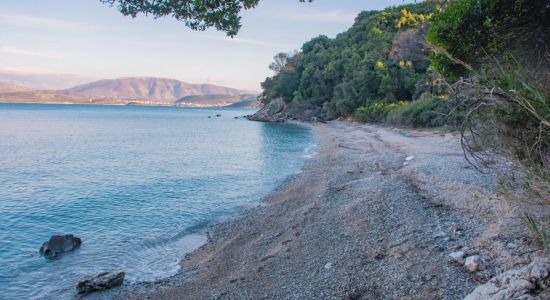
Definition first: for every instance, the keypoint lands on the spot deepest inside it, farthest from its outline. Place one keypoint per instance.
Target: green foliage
(513, 114)
(538, 232)
(377, 111)
(448, 68)
(422, 113)
(471, 29)
(358, 66)
(430, 112)
(196, 14)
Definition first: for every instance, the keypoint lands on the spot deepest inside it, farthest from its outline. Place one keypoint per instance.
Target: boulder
(58, 244)
(100, 282)
(527, 282)
(274, 111)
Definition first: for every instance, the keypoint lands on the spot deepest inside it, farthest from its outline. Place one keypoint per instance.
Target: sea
(140, 186)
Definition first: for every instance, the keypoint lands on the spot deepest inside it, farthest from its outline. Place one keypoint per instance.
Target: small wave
(310, 151)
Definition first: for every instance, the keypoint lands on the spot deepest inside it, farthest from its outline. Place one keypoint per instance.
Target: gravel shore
(374, 215)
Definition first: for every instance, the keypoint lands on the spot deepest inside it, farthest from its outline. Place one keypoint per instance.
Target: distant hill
(148, 88)
(216, 100)
(250, 102)
(12, 88)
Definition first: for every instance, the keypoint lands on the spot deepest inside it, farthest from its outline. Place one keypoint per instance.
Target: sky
(91, 39)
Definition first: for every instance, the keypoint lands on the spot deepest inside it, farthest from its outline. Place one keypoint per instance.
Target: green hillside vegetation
(381, 59)
(481, 66)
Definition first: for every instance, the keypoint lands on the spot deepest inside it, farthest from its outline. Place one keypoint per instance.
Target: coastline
(121, 103)
(375, 214)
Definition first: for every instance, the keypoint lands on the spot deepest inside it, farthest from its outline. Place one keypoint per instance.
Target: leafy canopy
(196, 14)
(382, 57)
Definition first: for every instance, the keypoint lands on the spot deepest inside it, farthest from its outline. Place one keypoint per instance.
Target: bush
(472, 29)
(377, 111)
(421, 113)
(510, 114)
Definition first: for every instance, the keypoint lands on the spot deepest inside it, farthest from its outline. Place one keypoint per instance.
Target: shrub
(509, 115)
(377, 111)
(421, 113)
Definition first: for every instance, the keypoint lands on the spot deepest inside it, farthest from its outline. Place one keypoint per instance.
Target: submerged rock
(274, 111)
(100, 282)
(528, 282)
(58, 244)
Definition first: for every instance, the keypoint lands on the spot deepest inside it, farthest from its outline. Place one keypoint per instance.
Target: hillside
(246, 103)
(11, 88)
(147, 88)
(28, 96)
(217, 100)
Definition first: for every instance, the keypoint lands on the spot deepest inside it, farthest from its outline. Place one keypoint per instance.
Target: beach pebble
(328, 266)
(456, 247)
(409, 158)
(473, 263)
(457, 256)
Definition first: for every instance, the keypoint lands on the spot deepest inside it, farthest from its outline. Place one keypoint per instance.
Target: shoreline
(362, 219)
(124, 103)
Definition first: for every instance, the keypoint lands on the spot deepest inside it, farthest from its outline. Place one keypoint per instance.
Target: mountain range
(130, 90)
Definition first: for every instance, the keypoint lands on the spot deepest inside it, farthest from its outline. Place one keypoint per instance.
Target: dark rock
(59, 244)
(100, 282)
(274, 111)
(218, 116)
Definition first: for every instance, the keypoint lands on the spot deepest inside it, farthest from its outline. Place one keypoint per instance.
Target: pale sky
(87, 38)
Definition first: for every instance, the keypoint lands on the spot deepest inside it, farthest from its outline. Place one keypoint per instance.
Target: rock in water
(274, 111)
(100, 282)
(59, 244)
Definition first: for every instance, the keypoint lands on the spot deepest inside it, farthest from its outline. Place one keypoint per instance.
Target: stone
(527, 282)
(456, 247)
(473, 263)
(457, 256)
(274, 111)
(454, 228)
(100, 282)
(409, 158)
(58, 244)
(328, 266)
(511, 245)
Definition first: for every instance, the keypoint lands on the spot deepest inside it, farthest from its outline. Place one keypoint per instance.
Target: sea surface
(139, 185)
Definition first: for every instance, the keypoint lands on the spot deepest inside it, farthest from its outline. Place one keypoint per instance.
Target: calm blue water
(139, 185)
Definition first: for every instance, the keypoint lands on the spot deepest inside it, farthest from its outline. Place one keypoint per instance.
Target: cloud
(25, 52)
(318, 16)
(37, 22)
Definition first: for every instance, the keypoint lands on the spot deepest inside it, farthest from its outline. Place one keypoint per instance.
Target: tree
(196, 14)
(279, 62)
